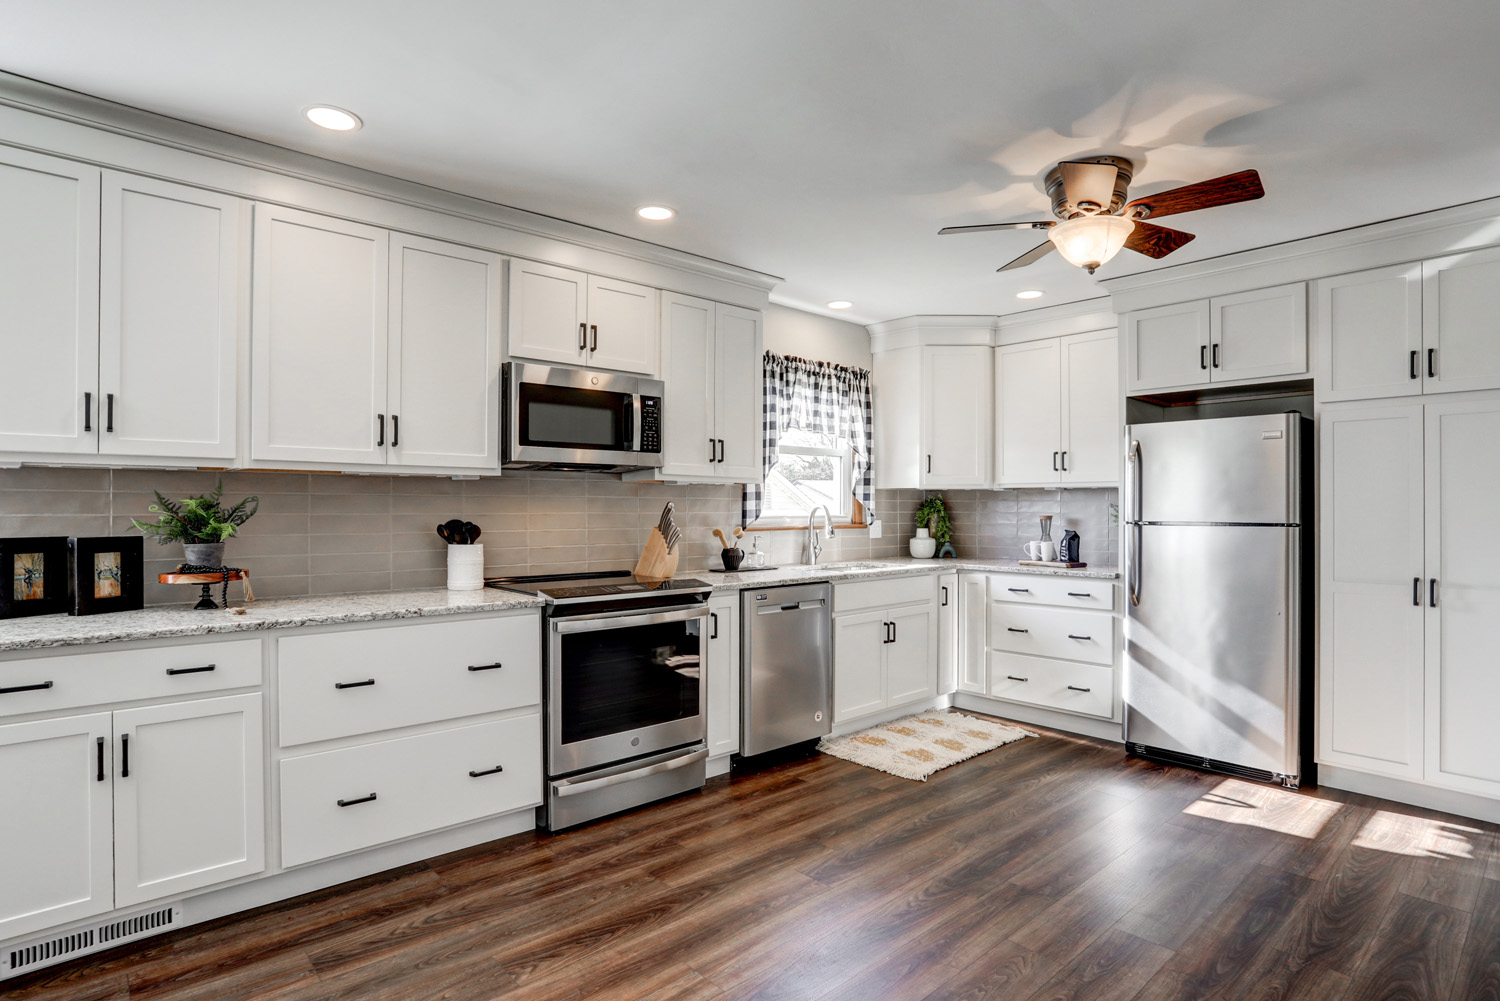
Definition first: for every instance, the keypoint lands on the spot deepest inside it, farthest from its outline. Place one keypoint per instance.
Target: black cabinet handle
(39, 686)
(711, 451)
(1019, 590)
(929, 463)
(1416, 372)
(88, 411)
(893, 632)
(721, 449)
(1072, 637)
(1203, 357)
(395, 430)
(594, 329)
(1432, 593)
(1054, 462)
(1012, 677)
(583, 337)
(945, 596)
(355, 802)
(486, 667)
(1432, 363)
(715, 617)
(1216, 355)
(380, 438)
(1080, 594)
(1065, 462)
(109, 412)
(99, 771)
(191, 670)
(1075, 688)
(353, 684)
(488, 771)
(124, 755)
(1416, 591)
(1013, 629)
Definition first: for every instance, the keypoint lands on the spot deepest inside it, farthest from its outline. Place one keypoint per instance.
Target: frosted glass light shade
(1089, 241)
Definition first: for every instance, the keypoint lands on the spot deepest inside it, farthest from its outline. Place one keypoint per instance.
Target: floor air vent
(86, 940)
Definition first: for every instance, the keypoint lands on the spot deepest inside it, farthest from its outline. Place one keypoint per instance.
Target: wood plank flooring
(1049, 869)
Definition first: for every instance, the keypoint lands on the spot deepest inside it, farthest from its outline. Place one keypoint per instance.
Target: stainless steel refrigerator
(1217, 561)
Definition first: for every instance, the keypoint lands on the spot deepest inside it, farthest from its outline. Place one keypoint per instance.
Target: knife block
(655, 562)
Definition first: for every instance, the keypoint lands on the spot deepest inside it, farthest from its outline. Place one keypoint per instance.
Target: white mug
(1045, 551)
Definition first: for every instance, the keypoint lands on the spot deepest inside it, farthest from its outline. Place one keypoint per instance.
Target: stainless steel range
(624, 690)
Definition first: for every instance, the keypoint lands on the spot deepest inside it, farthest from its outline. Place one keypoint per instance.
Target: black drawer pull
(191, 670)
(486, 667)
(1012, 677)
(1416, 591)
(125, 756)
(1019, 590)
(488, 771)
(26, 688)
(945, 596)
(1075, 688)
(1080, 594)
(1072, 637)
(99, 775)
(353, 684)
(1432, 363)
(355, 802)
(1013, 629)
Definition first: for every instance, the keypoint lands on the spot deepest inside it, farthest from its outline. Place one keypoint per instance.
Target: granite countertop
(871, 569)
(267, 613)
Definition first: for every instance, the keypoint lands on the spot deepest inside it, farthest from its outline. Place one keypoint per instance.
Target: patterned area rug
(914, 747)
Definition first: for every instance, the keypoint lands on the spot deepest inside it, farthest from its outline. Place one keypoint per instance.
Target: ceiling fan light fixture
(1091, 240)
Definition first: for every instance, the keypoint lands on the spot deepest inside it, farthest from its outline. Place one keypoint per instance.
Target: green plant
(933, 516)
(197, 520)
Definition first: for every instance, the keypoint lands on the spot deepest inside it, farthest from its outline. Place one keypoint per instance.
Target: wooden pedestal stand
(207, 581)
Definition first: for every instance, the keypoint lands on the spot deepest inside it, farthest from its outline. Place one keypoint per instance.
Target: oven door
(623, 684)
(571, 417)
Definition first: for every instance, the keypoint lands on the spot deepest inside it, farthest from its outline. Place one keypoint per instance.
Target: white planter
(466, 567)
(922, 545)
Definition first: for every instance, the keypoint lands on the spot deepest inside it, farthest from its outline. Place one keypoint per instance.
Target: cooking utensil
(445, 535)
(739, 533)
(673, 537)
(719, 533)
(471, 531)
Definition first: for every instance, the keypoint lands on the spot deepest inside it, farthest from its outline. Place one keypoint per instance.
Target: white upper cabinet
(318, 339)
(737, 380)
(444, 355)
(1091, 409)
(712, 369)
(1167, 346)
(957, 397)
(1370, 334)
(1057, 411)
(1258, 336)
(170, 312)
(573, 318)
(49, 304)
(1461, 322)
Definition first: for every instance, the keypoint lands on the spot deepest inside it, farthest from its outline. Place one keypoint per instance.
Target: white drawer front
(421, 673)
(1077, 688)
(1052, 632)
(883, 593)
(1067, 592)
(46, 684)
(420, 784)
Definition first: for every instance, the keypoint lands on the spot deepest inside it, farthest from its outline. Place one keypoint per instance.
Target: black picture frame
(105, 574)
(34, 576)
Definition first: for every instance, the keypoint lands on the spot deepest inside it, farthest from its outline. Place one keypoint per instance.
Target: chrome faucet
(814, 544)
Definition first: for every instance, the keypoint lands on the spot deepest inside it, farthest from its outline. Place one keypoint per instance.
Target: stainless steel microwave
(558, 417)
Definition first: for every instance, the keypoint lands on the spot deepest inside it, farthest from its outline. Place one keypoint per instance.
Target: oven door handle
(576, 787)
(627, 619)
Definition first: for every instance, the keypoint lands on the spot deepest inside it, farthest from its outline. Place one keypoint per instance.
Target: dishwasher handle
(800, 606)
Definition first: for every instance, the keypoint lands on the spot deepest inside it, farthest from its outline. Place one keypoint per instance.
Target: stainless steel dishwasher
(786, 666)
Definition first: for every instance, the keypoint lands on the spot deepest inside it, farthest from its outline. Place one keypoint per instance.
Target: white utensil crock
(466, 567)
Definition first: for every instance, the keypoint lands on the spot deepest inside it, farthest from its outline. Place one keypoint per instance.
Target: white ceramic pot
(922, 545)
(466, 567)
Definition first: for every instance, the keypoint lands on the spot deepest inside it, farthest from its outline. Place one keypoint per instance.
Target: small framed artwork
(106, 574)
(33, 576)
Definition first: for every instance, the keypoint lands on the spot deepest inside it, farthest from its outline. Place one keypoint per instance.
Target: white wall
(817, 338)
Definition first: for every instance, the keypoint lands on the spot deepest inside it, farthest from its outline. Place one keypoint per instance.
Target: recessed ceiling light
(840, 304)
(1030, 293)
(331, 118)
(656, 213)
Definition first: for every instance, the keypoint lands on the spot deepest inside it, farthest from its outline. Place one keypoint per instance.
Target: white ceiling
(826, 141)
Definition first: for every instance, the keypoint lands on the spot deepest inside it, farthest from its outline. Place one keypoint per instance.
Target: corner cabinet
(572, 318)
(1057, 419)
(711, 364)
(950, 392)
(1257, 336)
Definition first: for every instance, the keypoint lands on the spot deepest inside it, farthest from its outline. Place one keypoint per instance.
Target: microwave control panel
(650, 424)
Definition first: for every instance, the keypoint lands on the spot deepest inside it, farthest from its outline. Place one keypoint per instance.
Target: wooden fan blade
(1155, 241)
(1088, 182)
(987, 227)
(1030, 257)
(1242, 187)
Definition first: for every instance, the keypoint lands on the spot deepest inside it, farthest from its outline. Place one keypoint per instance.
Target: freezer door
(786, 661)
(1238, 470)
(1211, 650)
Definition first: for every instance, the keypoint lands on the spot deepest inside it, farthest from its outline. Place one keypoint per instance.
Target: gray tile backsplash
(327, 533)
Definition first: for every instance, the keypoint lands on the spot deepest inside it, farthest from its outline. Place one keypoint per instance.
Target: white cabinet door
(189, 796)
(911, 655)
(170, 311)
(548, 313)
(957, 397)
(1028, 408)
(722, 654)
(622, 320)
(1259, 335)
(1370, 334)
(1463, 597)
(858, 659)
(55, 824)
(973, 618)
(1461, 321)
(1090, 409)
(1166, 347)
(737, 378)
(1371, 566)
(689, 442)
(948, 634)
(444, 355)
(49, 304)
(318, 339)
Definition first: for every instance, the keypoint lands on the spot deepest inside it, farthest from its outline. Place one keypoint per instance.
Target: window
(811, 469)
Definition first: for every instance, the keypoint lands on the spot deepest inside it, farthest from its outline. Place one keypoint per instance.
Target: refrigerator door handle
(1133, 517)
(1134, 455)
(1133, 559)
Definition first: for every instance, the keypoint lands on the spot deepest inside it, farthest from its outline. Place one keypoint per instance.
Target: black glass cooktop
(598, 585)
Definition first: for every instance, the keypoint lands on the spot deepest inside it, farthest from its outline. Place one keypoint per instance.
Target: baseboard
(1099, 729)
(718, 766)
(1413, 793)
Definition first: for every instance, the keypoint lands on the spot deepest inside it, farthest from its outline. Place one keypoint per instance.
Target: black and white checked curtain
(822, 398)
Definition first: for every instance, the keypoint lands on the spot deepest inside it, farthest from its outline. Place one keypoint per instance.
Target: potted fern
(934, 528)
(200, 523)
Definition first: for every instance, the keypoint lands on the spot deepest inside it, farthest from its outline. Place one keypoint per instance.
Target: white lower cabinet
(884, 655)
(948, 633)
(973, 614)
(859, 664)
(1077, 688)
(722, 673)
(1051, 642)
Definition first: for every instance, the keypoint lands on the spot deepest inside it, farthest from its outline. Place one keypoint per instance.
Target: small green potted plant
(200, 523)
(934, 528)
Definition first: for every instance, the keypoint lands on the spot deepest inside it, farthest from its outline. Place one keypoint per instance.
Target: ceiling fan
(1088, 197)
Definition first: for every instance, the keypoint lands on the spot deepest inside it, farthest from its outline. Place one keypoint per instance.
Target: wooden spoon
(720, 533)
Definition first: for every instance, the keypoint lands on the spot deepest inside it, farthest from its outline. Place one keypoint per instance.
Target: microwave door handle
(633, 423)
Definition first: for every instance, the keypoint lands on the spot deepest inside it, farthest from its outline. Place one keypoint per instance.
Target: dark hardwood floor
(1048, 869)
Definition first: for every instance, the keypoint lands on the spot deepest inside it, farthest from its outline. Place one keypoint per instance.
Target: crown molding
(932, 330)
(1079, 317)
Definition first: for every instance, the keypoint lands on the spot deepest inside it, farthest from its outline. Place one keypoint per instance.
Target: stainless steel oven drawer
(599, 793)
